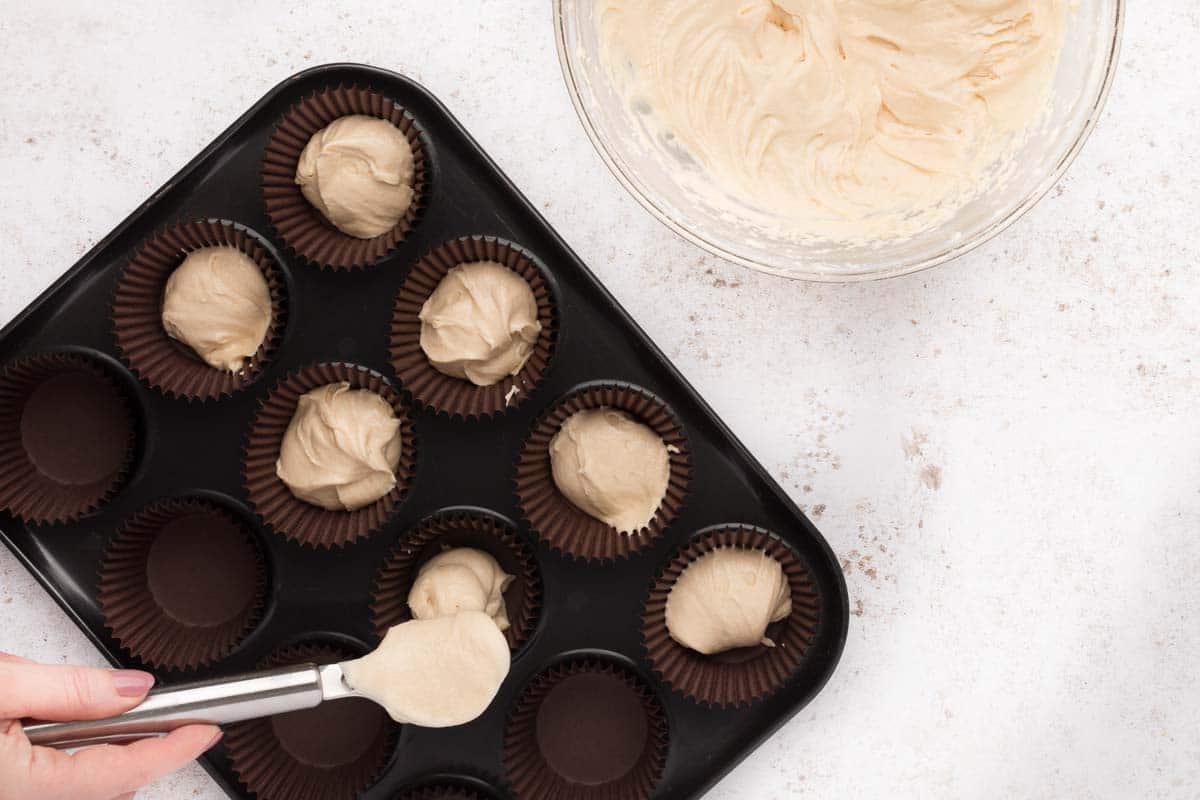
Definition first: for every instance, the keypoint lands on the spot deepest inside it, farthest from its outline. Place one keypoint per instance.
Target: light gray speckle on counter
(1004, 452)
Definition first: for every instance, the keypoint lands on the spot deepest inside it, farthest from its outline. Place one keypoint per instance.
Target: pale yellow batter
(480, 323)
(358, 171)
(846, 118)
(341, 449)
(611, 466)
(726, 599)
(460, 579)
(217, 302)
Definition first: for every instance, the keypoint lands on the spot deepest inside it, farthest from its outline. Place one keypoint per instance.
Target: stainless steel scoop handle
(214, 702)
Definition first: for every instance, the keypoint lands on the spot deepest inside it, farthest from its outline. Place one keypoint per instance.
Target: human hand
(102, 772)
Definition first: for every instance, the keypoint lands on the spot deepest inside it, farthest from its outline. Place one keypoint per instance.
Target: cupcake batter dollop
(217, 302)
(341, 449)
(358, 171)
(480, 323)
(460, 579)
(849, 118)
(611, 466)
(726, 599)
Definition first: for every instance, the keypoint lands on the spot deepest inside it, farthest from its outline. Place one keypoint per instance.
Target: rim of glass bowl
(894, 271)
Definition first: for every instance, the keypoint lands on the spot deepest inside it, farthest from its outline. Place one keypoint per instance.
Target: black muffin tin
(195, 449)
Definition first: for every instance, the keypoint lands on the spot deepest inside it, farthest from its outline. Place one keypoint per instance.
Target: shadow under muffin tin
(582, 624)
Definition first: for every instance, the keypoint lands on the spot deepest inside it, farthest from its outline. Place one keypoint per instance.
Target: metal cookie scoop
(212, 702)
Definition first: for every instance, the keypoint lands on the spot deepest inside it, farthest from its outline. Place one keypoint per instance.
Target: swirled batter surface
(866, 117)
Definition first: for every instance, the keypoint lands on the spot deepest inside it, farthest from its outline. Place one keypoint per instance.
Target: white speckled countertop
(1005, 451)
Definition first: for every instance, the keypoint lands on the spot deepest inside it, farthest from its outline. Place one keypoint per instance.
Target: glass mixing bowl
(1085, 73)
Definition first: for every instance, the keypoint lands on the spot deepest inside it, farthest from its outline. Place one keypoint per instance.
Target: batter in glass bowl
(848, 118)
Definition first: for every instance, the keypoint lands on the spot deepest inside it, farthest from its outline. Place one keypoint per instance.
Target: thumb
(57, 692)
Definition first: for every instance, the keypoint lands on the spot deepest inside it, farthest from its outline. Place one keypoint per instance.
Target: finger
(109, 770)
(57, 692)
(14, 659)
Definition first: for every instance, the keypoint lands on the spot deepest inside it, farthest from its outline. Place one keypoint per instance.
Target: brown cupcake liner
(556, 519)
(745, 675)
(303, 227)
(306, 755)
(162, 362)
(178, 608)
(74, 448)
(442, 531)
(454, 396)
(274, 502)
(447, 787)
(439, 792)
(554, 766)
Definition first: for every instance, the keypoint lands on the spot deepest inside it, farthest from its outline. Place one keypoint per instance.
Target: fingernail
(132, 682)
(216, 738)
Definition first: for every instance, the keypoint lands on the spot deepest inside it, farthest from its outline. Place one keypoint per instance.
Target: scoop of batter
(217, 303)
(434, 672)
(341, 449)
(610, 466)
(726, 599)
(358, 171)
(850, 118)
(461, 579)
(480, 323)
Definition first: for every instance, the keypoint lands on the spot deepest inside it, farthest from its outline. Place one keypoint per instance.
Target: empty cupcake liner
(67, 437)
(523, 598)
(274, 502)
(738, 678)
(604, 738)
(331, 752)
(303, 227)
(181, 584)
(450, 395)
(162, 362)
(556, 519)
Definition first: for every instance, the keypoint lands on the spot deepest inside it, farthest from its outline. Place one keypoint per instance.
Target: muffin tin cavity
(556, 519)
(462, 527)
(182, 582)
(740, 676)
(333, 751)
(299, 224)
(68, 435)
(450, 395)
(585, 728)
(162, 362)
(296, 519)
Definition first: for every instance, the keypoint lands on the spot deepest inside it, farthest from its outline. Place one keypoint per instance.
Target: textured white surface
(1004, 451)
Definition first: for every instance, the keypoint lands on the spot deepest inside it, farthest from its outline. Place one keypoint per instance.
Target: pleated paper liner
(274, 502)
(162, 362)
(459, 528)
(738, 677)
(68, 435)
(440, 792)
(586, 729)
(181, 584)
(556, 519)
(449, 787)
(450, 395)
(302, 226)
(331, 752)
